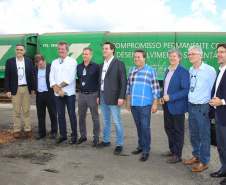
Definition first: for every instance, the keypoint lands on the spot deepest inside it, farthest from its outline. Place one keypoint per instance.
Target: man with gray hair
(62, 79)
(202, 77)
(174, 101)
(88, 75)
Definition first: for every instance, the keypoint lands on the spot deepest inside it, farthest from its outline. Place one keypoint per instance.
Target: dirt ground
(28, 161)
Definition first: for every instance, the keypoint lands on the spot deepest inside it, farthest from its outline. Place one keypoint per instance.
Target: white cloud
(196, 23)
(224, 16)
(204, 5)
(41, 16)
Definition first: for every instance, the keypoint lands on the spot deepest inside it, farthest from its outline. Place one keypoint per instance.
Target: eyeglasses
(221, 52)
(193, 54)
(19, 49)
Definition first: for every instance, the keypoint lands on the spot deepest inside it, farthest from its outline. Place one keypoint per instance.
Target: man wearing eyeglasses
(19, 85)
(202, 77)
(142, 98)
(62, 79)
(218, 95)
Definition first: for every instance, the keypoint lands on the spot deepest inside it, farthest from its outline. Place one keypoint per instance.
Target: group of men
(106, 84)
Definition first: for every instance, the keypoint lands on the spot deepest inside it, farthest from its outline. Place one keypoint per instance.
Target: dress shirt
(202, 81)
(88, 77)
(42, 80)
(64, 72)
(21, 72)
(143, 86)
(168, 78)
(104, 71)
(219, 77)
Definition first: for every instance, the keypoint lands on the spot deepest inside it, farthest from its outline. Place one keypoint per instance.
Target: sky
(47, 16)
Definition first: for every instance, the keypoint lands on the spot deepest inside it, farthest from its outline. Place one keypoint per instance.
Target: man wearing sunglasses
(202, 77)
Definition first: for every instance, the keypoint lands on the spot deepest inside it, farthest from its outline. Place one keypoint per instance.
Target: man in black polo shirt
(88, 75)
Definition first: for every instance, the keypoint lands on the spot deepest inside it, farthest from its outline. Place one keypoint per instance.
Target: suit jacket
(48, 66)
(11, 75)
(178, 91)
(114, 82)
(221, 93)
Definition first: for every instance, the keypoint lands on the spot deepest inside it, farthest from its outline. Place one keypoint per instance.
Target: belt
(194, 105)
(22, 85)
(44, 92)
(87, 92)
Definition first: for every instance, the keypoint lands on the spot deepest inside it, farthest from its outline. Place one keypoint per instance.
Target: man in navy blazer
(112, 89)
(218, 95)
(19, 85)
(174, 98)
(44, 97)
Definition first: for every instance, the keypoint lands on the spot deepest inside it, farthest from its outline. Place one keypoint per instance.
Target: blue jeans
(60, 105)
(142, 119)
(113, 110)
(199, 126)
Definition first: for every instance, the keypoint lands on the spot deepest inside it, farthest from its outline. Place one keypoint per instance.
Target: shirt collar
(89, 63)
(222, 68)
(172, 69)
(20, 61)
(109, 60)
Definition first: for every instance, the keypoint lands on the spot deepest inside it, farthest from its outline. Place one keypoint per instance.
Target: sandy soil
(28, 161)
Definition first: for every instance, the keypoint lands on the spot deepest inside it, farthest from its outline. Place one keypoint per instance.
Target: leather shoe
(103, 144)
(118, 150)
(39, 137)
(95, 142)
(199, 167)
(144, 157)
(82, 139)
(193, 160)
(167, 154)
(53, 136)
(61, 139)
(17, 135)
(137, 151)
(73, 140)
(223, 182)
(218, 174)
(28, 134)
(174, 159)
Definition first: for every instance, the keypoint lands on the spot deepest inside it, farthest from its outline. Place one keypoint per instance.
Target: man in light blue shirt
(202, 77)
(142, 97)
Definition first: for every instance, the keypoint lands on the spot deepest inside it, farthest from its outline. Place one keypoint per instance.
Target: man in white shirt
(62, 79)
(218, 96)
(19, 85)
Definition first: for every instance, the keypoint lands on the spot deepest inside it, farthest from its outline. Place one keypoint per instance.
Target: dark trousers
(221, 142)
(174, 127)
(85, 102)
(44, 100)
(68, 101)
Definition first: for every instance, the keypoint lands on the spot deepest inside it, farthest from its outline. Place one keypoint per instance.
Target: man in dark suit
(44, 97)
(19, 85)
(112, 89)
(218, 95)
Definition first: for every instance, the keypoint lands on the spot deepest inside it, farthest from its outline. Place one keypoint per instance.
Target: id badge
(84, 72)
